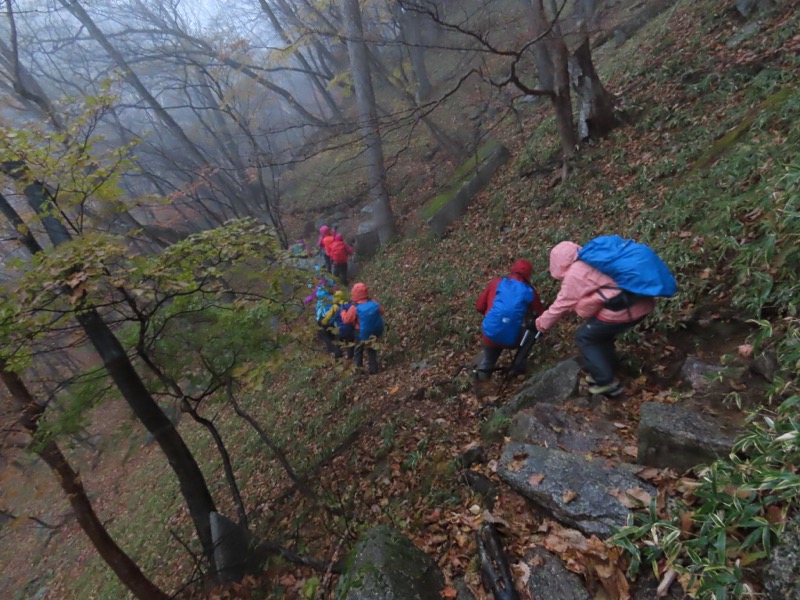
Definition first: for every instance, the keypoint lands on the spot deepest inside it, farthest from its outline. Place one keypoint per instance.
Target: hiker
(366, 316)
(505, 302)
(587, 292)
(298, 249)
(324, 232)
(345, 333)
(340, 253)
(327, 242)
(323, 283)
(325, 303)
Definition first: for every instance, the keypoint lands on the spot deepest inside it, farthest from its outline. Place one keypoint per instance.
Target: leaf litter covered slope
(685, 89)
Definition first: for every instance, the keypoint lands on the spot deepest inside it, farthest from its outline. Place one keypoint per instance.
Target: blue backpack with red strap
(504, 321)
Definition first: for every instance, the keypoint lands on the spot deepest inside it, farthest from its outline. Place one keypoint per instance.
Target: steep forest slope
(705, 168)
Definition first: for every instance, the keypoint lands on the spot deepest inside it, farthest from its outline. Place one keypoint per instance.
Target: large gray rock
(553, 386)
(580, 493)
(550, 579)
(671, 436)
(387, 566)
(551, 426)
(782, 574)
(233, 548)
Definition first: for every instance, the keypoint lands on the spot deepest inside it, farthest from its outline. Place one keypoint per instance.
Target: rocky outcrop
(671, 436)
(469, 179)
(385, 565)
(553, 386)
(590, 495)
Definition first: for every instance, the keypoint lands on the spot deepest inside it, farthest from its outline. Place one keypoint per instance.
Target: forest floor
(384, 445)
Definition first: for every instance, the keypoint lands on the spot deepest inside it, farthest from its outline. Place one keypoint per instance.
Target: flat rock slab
(553, 386)
(551, 580)
(386, 565)
(552, 426)
(576, 491)
(674, 437)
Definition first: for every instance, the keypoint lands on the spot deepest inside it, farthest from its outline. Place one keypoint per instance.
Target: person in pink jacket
(584, 291)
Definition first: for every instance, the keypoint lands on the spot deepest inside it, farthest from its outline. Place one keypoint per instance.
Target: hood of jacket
(339, 297)
(359, 292)
(522, 269)
(324, 230)
(561, 258)
(338, 237)
(322, 293)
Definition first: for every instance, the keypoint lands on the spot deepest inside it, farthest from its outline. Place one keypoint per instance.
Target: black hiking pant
(595, 341)
(347, 344)
(329, 339)
(372, 356)
(491, 354)
(340, 271)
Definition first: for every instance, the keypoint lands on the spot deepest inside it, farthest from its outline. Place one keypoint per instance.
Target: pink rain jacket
(579, 291)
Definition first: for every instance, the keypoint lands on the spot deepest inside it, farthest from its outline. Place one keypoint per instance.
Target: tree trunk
(368, 117)
(596, 114)
(411, 29)
(552, 63)
(123, 566)
(315, 79)
(190, 477)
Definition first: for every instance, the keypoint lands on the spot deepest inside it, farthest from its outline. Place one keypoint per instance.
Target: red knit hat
(523, 269)
(359, 292)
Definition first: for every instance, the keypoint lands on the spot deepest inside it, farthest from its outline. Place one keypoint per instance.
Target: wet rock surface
(674, 437)
(553, 427)
(551, 579)
(553, 386)
(584, 494)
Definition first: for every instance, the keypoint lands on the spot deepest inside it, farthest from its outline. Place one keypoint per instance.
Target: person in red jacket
(324, 232)
(506, 302)
(327, 241)
(340, 253)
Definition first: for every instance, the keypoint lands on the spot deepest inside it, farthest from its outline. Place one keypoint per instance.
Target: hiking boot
(590, 380)
(611, 390)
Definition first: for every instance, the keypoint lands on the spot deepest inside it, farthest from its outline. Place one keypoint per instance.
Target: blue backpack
(635, 268)
(345, 329)
(370, 320)
(504, 321)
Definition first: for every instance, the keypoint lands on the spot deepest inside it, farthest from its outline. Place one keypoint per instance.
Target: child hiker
(345, 333)
(326, 333)
(367, 317)
(505, 304)
(585, 291)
